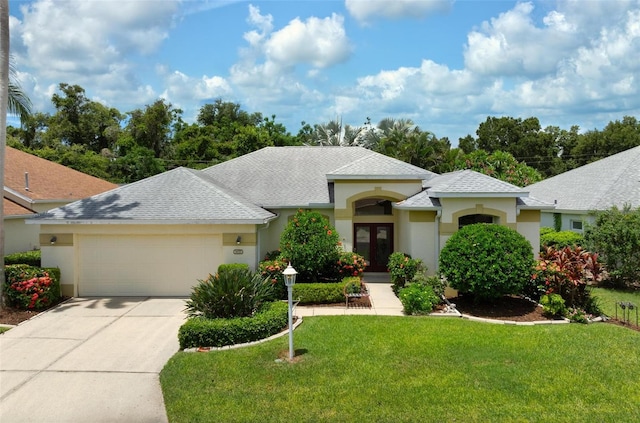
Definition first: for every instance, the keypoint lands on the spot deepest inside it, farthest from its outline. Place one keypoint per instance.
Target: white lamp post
(289, 280)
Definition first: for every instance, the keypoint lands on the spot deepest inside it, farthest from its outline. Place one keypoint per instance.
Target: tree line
(126, 147)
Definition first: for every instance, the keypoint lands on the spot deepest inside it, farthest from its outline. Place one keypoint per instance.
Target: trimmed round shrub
(418, 299)
(487, 261)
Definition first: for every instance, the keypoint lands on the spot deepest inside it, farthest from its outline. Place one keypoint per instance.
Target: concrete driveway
(90, 360)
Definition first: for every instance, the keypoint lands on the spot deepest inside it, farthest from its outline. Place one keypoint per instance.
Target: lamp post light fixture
(289, 280)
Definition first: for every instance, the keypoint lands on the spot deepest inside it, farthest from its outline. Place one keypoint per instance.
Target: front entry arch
(374, 241)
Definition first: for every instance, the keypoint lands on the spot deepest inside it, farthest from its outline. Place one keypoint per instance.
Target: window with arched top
(373, 207)
(470, 219)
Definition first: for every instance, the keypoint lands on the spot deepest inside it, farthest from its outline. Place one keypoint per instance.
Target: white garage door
(163, 265)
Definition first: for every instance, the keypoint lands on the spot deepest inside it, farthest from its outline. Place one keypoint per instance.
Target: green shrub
(615, 236)
(487, 261)
(272, 255)
(318, 293)
(30, 287)
(32, 258)
(546, 230)
(352, 285)
(202, 332)
(236, 292)
(418, 299)
(435, 282)
(312, 246)
(402, 269)
(231, 266)
(553, 305)
(560, 239)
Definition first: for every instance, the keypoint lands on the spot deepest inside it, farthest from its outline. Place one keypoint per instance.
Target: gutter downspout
(258, 257)
(437, 239)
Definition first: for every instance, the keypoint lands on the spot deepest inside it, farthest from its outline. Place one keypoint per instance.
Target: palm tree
(336, 134)
(4, 95)
(18, 103)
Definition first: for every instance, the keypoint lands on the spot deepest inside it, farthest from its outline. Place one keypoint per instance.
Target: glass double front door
(374, 241)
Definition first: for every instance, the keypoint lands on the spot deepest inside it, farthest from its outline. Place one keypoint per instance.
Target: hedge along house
(597, 186)
(160, 235)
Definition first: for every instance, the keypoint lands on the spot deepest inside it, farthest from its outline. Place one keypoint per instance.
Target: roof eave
(333, 177)
(445, 194)
(149, 222)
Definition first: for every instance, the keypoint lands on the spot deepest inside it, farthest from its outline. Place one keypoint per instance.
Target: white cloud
(90, 43)
(512, 44)
(266, 72)
(364, 10)
(318, 42)
(182, 89)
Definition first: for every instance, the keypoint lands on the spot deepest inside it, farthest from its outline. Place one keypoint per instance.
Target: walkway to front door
(374, 241)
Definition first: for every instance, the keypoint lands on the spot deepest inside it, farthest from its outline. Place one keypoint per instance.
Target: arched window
(470, 219)
(373, 207)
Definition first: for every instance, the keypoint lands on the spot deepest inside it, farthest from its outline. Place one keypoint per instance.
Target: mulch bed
(507, 308)
(14, 316)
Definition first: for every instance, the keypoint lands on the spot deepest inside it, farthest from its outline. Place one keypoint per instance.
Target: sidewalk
(383, 303)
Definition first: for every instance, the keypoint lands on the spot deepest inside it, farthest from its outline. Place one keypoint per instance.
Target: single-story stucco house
(158, 236)
(597, 186)
(34, 185)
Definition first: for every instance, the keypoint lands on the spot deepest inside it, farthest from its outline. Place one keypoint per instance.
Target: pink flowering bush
(30, 287)
(272, 269)
(350, 264)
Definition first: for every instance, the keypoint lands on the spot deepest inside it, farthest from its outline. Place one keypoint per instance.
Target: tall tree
(334, 133)
(4, 98)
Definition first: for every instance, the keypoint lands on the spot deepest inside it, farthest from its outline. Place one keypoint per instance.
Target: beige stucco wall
(417, 232)
(64, 253)
(19, 236)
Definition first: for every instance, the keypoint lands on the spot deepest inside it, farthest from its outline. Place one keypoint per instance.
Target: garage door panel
(145, 265)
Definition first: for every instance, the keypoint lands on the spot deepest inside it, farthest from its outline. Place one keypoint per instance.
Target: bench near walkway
(383, 303)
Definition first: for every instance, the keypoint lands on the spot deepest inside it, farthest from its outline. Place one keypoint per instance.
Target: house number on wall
(238, 251)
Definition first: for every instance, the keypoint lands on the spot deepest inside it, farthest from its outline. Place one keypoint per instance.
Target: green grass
(404, 369)
(609, 297)
(4, 329)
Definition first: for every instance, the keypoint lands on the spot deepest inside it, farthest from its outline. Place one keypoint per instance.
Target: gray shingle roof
(472, 184)
(420, 201)
(181, 195)
(298, 176)
(614, 180)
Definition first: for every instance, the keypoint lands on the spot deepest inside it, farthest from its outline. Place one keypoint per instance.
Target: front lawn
(609, 297)
(402, 369)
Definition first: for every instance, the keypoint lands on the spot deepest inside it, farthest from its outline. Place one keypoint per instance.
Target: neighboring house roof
(48, 181)
(11, 208)
(612, 181)
(299, 176)
(178, 196)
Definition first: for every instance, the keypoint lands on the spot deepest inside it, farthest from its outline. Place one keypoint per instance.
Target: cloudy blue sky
(446, 65)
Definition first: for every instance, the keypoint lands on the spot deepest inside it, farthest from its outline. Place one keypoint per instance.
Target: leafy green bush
(352, 285)
(236, 292)
(487, 261)
(318, 293)
(553, 305)
(311, 244)
(232, 266)
(32, 258)
(30, 287)
(560, 239)
(435, 282)
(546, 230)
(202, 332)
(418, 299)
(615, 236)
(402, 269)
